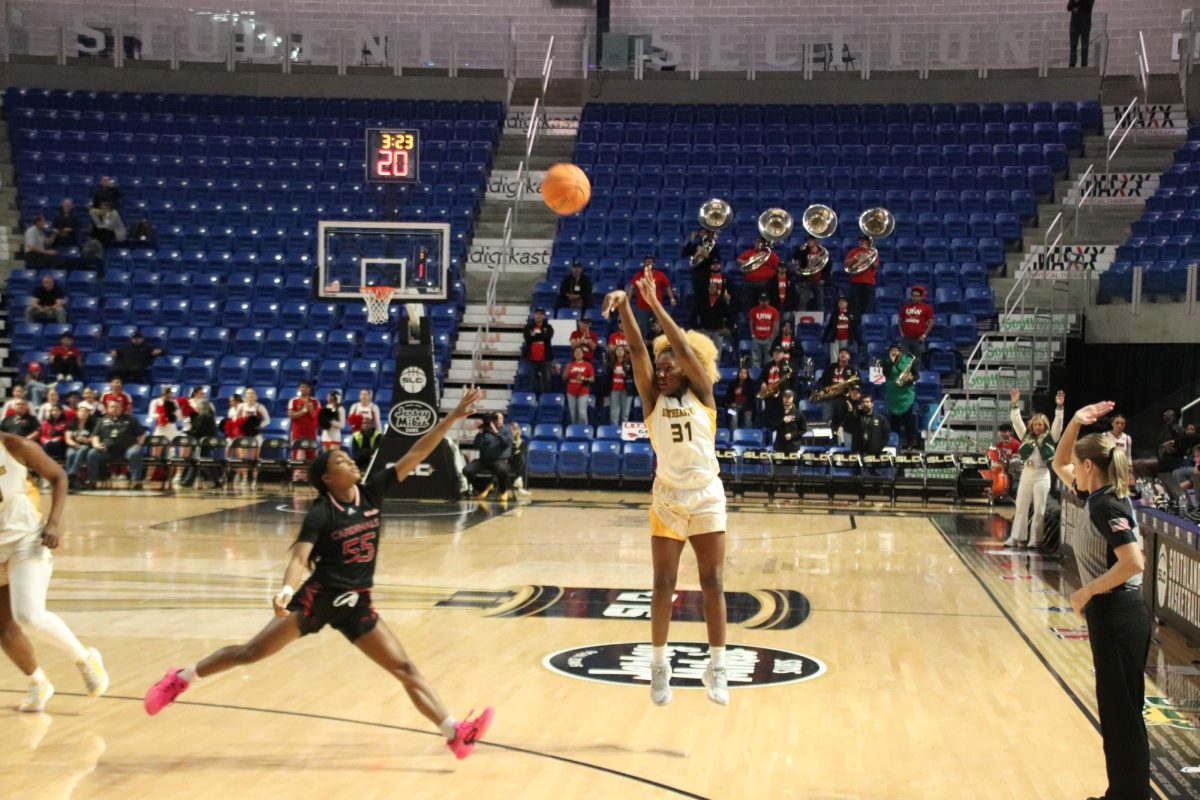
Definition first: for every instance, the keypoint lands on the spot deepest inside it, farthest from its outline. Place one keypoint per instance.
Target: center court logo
(412, 418)
(413, 379)
(628, 663)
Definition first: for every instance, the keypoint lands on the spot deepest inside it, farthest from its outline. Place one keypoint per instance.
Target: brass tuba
(875, 223)
(774, 224)
(715, 215)
(820, 221)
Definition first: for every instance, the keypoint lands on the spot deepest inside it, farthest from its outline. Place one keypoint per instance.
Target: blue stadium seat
(573, 459)
(605, 459)
(279, 343)
(637, 461)
(543, 459)
(294, 370)
(233, 369)
(548, 432)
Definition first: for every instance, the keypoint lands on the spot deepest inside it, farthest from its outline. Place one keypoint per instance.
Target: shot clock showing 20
(393, 156)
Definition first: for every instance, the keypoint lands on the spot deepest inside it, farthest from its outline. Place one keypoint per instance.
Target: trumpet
(775, 387)
(875, 223)
(715, 215)
(773, 224)
(834, 390)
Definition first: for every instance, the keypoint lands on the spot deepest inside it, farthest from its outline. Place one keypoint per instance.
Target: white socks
(189, 674)
(38, 677)
(716, 657)
(447, 727)
(659, 655)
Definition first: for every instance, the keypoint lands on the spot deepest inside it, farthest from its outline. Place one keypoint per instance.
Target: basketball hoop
(377, 298)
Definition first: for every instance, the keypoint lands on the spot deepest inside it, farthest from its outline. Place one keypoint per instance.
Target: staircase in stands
(499, 329)
(1036, 317)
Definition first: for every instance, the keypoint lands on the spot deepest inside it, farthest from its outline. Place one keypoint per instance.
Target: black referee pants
(1119, 631)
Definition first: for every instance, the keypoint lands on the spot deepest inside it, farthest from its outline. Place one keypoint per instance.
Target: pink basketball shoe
(468, 732)
(163, 693)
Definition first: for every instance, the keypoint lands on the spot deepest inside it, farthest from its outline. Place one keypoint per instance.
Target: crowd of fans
(87, 432)
(754, 326)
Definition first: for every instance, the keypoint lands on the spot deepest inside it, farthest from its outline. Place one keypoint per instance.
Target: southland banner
(529, 255)
(1117, 189)
(1068, 261)
(502, 185)
(556, 121)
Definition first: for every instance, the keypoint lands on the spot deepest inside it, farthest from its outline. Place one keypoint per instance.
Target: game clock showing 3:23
(393, 156)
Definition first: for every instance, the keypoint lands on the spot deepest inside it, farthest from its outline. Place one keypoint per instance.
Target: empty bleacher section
(234, 187)
(1165, 241)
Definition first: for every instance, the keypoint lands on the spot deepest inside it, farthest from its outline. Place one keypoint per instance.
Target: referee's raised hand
(466, 406)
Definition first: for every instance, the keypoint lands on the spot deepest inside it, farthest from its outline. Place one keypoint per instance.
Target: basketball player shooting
(338, 541)
(688, 502)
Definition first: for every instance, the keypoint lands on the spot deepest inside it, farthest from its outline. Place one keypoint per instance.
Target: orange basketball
(566, 189)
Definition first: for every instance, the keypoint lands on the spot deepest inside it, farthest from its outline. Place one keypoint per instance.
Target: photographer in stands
(494, 444)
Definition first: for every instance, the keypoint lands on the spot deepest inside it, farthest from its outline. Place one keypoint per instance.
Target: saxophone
(905, 377)
(785, 379)
(833, 390)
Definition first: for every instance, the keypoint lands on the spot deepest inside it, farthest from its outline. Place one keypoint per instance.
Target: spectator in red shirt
(616, 336)
(54, 434)
(764, 327)
(538, 335)
(786, 341)
(578, 375)
(583, 336)
(641, 309)
(841, 329)
(782, 287)
(65, 359)
(916, 320)
(1007, 445)
(755, 282)
(620, 398)
(116, 391)
(303, 411)
(862, 284)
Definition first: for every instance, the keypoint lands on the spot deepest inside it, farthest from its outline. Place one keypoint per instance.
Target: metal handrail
(1082, 194)
(1109, 149)
(513, 213)
(1025, 275)
(1143, 66)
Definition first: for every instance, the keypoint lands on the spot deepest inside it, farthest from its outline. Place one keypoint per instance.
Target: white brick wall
(482, 26)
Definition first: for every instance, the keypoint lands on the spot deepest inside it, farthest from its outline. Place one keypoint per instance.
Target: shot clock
(393, 156)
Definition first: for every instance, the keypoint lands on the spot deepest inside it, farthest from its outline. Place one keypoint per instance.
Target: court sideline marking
(387, 726)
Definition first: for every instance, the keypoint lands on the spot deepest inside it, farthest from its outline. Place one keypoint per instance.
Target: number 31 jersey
(345, 536)
(683, 432)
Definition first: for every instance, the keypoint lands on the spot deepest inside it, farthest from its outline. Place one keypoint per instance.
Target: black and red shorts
(347, 611)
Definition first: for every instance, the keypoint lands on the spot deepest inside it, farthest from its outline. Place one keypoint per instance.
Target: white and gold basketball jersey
(683, 432)
(18, 514)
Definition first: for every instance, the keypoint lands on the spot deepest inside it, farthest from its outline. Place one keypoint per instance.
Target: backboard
(414, 257)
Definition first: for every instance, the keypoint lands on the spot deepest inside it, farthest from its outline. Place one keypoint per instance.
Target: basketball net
(377, 298)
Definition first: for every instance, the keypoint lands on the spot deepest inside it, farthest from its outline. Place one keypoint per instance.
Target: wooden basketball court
(928, 666)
